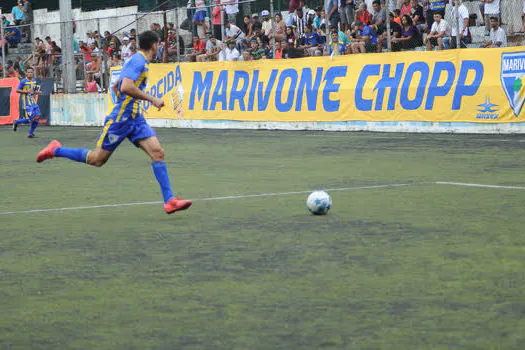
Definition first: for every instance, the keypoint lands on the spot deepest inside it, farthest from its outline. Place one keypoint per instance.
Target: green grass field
(422, 266)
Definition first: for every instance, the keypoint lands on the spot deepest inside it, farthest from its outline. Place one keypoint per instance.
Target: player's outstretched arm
(129, 88)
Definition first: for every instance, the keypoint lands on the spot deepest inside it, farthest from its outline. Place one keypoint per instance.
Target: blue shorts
(199, 16)
(32, 111)
(115, 132)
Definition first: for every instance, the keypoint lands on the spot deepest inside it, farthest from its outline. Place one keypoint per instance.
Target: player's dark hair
(147, 39)
(28, 68)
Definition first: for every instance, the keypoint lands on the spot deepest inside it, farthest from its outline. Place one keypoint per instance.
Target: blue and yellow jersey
(27, 85)
(136, 69)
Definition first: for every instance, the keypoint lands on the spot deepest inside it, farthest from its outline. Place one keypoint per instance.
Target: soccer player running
(29, 90)
(126, 120)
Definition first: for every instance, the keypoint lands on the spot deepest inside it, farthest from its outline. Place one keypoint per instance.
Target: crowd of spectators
(340, 27)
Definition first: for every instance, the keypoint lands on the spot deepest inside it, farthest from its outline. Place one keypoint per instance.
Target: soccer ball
(319, 202)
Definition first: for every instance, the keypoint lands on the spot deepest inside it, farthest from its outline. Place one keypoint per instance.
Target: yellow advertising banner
(468, 85)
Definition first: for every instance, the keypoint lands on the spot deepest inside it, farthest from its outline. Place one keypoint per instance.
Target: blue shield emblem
(513, 79)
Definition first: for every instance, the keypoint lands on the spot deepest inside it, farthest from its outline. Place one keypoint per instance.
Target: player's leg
(35, 113)
(145, 138)
(110, 138)
(25, 120)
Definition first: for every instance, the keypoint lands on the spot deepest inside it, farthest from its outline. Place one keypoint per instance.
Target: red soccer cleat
(176, 204)
(48, 152)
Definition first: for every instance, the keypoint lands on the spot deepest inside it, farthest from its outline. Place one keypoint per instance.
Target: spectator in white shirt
(491, 10)
(230, 53)
(464, 33)
(439, 34)
(233, 32)
(126, 49)
(231, 9)
(498, 38)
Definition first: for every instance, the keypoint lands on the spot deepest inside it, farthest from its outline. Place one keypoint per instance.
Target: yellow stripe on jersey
(104, 132)
(123, 107)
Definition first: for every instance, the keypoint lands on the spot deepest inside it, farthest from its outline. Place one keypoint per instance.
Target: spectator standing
(491, 10)
(346, 12)
(231, 9)
(464, 32)
(216, 20)
(18, 13)
(439, 33)
(332, 13)
(299, 22)
(199, 18)
(28, 19)
(497, 36)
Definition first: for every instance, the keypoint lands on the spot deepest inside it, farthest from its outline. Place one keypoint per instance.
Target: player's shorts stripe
(104, 132)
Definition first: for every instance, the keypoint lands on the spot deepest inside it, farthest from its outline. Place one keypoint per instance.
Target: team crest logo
(513, 79)
(113, 138)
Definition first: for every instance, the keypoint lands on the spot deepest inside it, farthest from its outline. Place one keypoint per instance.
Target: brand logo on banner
(513, 79)
(487, 110)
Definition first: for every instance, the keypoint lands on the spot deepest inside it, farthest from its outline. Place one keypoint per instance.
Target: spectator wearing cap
(5, 22)
(266, 25)
(310, 16)
(366, 39)
(18, 13)
(125, 50)
(213, 49)
(230, 53)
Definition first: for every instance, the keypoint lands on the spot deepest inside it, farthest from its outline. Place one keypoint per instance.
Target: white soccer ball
(319, 202)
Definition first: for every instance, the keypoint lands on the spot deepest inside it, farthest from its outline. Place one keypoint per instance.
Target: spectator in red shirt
(217, 21)
(199, 48)
(86, 50)
(363, 15)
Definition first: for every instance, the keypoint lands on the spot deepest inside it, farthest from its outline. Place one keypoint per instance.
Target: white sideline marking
(479, 185)
(200, 199)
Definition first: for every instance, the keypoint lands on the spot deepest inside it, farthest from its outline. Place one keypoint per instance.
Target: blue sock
(76, 154)
(161, 173)
(22, 121)
(34, 124)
